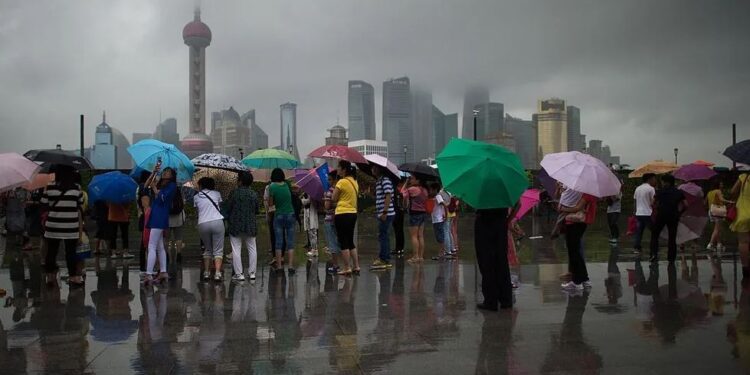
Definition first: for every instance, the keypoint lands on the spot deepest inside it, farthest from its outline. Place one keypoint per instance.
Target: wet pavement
(693, 317)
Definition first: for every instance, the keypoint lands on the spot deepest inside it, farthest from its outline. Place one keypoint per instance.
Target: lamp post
(676, 151)
(242, 153)
(406, 150)
(476, 112)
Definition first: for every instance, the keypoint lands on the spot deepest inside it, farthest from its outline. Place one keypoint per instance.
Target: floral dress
(241, 210)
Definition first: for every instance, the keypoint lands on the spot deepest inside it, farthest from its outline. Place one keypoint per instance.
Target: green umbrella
(481, 174)
(270, 158)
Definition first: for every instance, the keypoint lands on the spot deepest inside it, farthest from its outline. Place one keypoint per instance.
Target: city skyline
(625, 88)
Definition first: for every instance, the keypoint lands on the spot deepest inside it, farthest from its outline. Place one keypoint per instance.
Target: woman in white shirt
(210, 227)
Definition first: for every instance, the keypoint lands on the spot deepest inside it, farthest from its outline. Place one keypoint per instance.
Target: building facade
(258, 137)
(197, 36)
(551, 120)
(167, 132)
(361, 110)
(490, 120)
(444, 127)
(525, 135)
(370, 147)
(595, 148)
(337, 136)
(472, 97)
(397, 123)
(501, 139)
(229, 135)
(422, 124)
(110, 149)
(137, 137)
(288, 128)
(574, 129)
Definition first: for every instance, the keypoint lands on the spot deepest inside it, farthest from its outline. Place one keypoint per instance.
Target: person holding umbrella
(210, 227)
(580, 211)
(345, 196)
(163, 189)
(670, 204)
(63, 202)
(385, 214)
(242, 208)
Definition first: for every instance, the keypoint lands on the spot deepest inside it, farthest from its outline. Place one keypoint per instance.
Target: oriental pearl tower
(197, 37)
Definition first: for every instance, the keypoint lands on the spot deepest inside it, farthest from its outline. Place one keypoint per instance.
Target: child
(310, 221)
(438, 219)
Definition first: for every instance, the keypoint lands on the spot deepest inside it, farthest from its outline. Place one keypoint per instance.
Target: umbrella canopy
(40, 181)
(218, 161)
(264, 175)
(226, 181)
(375, 159)
(548, 183)
(693, 221)
(148, 152)
(270, 158)
(694, 172)
(529, 199)
(54, 156)
(114, 187)
(481, 174)
(313, 182)
(655, 167)
(16, 170)
(338, 152)
(583, 173)
(703, 163)
(419, 169)
(739, 153)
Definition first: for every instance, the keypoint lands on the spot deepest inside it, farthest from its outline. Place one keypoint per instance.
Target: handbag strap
(212, 202)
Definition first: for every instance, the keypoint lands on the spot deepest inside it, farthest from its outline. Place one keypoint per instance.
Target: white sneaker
(252, 275)
(312, 253)
(206, 276)
(710, 247)
(571, 285)
(587, 284)
(238, 277)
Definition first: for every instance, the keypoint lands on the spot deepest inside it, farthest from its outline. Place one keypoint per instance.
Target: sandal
(345, 273)
(356, 271)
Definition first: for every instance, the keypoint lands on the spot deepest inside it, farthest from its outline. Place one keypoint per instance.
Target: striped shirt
(383, 187)
(64, 210)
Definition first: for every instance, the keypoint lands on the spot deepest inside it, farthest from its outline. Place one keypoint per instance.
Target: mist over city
(647, 77)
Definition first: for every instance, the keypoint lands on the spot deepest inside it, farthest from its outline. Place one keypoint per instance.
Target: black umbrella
(59, 157)
(419, 169)
(740, 152)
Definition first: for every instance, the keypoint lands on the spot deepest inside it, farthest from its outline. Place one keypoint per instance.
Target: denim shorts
(417, 218)
(283, 226)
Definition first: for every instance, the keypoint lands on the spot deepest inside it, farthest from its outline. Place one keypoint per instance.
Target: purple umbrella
(311, 183)
(549, 183)
(694, 172)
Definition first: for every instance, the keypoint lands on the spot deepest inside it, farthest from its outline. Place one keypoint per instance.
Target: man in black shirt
(669, 203)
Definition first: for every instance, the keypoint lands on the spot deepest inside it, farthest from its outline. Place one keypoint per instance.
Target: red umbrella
(338, 152)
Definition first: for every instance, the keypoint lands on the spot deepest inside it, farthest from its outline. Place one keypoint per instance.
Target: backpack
(178, 204)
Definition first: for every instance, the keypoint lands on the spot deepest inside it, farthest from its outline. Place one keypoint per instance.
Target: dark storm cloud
(648, 76)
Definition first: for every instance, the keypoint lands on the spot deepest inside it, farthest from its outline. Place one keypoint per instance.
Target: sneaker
(238, 277)
(127, 255)
(115, 256)
(587, 284)
(219, 277)
(710, 247)
(252, 276)
(312, 253)
(378, 265)
(613, 240)
(572, 286)
(206, 276)
(332, 270)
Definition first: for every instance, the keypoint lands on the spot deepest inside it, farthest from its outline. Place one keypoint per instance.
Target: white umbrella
(383, 162)
(15, 171)
(581, 172)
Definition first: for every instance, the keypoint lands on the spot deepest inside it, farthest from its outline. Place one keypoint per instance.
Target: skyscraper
(288, 123)
(595, 148)
(490, 118)
(525, 134)
(230, 134)
(445, 127)
(110, 150)
(167, 132)
(137, 137)
(361, 110)
(422, 126)
(473, 96)
(258, 137)
(552, 126)
(574, 129)
(197, 37)
(397, 125)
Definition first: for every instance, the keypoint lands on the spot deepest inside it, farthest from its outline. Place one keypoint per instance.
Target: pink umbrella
(15, 171)
(694, 172)
(529, 199)
(693, 221)
(383, 162)
(338, 152)
(583, 173)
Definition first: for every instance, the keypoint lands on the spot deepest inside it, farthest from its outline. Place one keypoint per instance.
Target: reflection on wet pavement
(692, 317)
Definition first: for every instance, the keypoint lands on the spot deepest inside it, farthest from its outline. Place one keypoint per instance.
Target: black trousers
(398, 229)
(670, 222)
(50, 263)
(491, 245)
(612, 221)
(576, 263)
(123, 228)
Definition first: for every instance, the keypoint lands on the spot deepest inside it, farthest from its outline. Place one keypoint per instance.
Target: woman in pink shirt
(416, 201)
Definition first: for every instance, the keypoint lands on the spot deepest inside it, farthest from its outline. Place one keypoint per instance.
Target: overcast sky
(648, 75)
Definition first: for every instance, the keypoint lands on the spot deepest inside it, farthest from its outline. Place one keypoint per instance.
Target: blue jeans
(384, 239)
(643, 223)
(333, 242)
(283, 226)
(448, 235)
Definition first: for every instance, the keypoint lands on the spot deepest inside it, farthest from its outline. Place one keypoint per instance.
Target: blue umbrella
(114, 187)
(148, 152)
